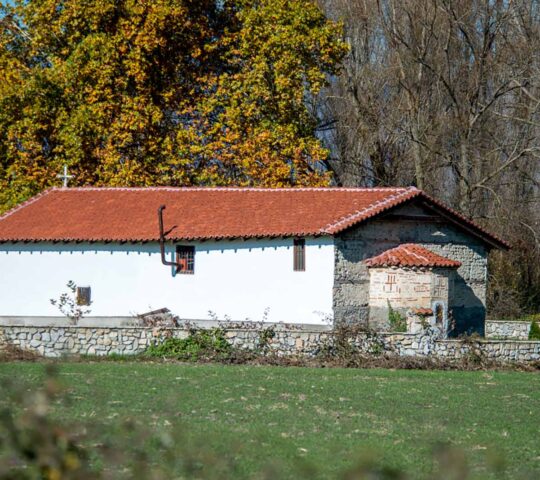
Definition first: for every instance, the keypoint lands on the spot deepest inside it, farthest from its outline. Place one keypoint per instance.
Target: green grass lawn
(317, 422)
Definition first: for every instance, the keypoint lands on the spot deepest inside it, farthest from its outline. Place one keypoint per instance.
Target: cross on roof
(65, 177)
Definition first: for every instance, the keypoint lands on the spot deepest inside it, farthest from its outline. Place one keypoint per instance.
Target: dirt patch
(12, 353)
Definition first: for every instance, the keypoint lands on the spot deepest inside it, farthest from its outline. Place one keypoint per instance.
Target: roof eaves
(307, 233)
(186, 238)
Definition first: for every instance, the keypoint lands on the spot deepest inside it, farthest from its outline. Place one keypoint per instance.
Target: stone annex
(311, 256)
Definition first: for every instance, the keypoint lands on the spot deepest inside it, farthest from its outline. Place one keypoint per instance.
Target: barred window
(299, 254)
(185, 259)
(83, 296)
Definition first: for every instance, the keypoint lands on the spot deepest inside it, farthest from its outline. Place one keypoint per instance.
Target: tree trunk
(464, 169)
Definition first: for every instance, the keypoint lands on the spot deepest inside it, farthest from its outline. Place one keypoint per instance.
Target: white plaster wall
(238, 279)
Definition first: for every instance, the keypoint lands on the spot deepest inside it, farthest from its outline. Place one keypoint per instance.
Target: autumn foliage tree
(162, 92)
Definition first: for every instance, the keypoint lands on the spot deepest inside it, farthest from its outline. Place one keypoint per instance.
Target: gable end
(433, 211)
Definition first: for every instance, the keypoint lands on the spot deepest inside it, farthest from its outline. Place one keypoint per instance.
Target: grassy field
(316, 422)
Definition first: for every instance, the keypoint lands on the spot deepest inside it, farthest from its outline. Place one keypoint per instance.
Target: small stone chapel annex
(304, 255)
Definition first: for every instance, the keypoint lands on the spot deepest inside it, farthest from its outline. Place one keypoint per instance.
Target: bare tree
(445, 94)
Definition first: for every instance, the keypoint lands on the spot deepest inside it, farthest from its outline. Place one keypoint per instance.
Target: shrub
(398, 323)
(475, 355)
(265, 337)
(203, 343)
(534, 332)
(35, 445)
(69, 305)
(346, 343)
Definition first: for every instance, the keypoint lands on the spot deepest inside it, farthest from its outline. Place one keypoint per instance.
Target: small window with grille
(83, 295)
(299, 255)
(185, 259)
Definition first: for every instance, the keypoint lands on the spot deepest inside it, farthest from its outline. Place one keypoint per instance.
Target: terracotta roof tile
(411, 255)
(423, 312)
(130, 214)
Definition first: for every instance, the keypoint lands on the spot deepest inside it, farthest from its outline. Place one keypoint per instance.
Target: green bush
(534, 332)
(265, 337)
(204, 343)
(398, 322)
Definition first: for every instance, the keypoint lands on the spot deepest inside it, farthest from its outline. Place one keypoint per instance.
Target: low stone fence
(289, 340)
(502, 329)
(76, 340)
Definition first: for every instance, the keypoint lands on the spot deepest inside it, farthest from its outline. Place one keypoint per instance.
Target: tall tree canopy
(161, 92)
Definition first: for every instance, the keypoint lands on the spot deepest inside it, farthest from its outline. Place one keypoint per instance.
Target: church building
(302, 255)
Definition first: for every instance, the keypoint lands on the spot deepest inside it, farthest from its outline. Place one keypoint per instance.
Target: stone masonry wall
(507, 329)
(351, 276)
(66, 341)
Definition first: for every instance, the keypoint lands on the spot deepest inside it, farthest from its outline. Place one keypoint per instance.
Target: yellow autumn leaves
(167, 92)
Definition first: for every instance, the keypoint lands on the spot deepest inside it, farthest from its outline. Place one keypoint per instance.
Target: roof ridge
(409, 248)
(362, 213)
(24, 204)
(232, 189)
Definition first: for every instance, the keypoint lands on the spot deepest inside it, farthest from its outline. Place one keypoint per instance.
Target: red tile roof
(130, 214)
(411, 255)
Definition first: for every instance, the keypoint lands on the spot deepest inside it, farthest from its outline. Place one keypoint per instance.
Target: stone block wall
(507, 329)
(58, 342)
(72, 340)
